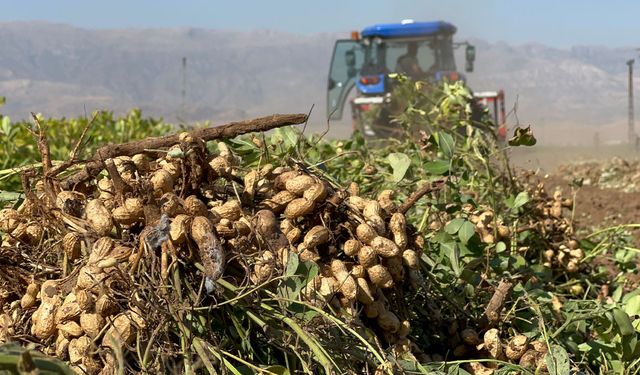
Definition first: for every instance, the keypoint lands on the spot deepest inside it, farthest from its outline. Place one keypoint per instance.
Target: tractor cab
(421, 50)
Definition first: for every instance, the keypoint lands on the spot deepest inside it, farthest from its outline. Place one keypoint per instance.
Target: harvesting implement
(421, 50)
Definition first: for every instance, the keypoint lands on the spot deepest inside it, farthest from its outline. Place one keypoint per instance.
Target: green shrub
(18, 147)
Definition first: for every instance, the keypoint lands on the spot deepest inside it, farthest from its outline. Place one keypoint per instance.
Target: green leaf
(453, 253)
(632, 306)
(446, 144)
(438, 167)
(400, 163)
(278, 370)
(14, 359)
(623, 322)
(557, 361)
(442, 237)
(467, 230)
(617, 294)
(292, 264)
(9, 196)
(288, 135)
(597, 347)
(522, 137)
(518, 261)
(319, 351)
(454, 225)
(521, 199)
(5, 125)
(299, 274)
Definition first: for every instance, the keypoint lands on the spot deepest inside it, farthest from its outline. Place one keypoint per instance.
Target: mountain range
(60, 70)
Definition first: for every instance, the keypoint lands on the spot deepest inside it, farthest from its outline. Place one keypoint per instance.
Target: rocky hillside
(61, 70)
(583, 85)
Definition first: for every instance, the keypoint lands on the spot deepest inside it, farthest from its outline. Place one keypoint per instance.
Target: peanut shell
(105, 305)
(44, 324)
(372, 208)
(32, 289)
(357, 202)
(298, 207)
(365, 233)
(72, 245)
(9, 220)
(316, 236)
(92, 324)
(384, 247)
(492, 343)
(367, 257)
(99, 217)
(85, 299)
(388, 321)
(351, 247)
(364, 294)
(279, 201)
(380, 276)
(69, 310)
(317, 192)
(79, 348)
(385, 199)
(162, 182)
(27, 301)
(280, 181)
(265, 223)
(179, 228)
(398, 226)
(120, 333)
(358, 271)
(410, 259)
(101, 249)
(141, 161)
(49, 289)
(70, 330)
(131, 212)
(299, 184)
(516, 347)
(62, 347)
(194, 206)
(230, 210)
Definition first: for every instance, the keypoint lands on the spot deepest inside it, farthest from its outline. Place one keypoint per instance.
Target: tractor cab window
(397, 55)
(444, 52)
(374, 57)
(346, 63)
(416, 58)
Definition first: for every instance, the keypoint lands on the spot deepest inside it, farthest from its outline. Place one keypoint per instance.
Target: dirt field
(595, 206)
(548, 157)
(598, 207)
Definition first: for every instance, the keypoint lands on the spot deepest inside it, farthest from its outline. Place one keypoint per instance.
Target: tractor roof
(408, 29)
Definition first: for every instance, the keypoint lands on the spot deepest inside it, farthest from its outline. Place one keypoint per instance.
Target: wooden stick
(73, 157)
(43, 146)
(496, 303)
(231, 130)
(424, 189)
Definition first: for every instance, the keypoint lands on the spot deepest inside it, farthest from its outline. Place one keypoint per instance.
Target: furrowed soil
(595, 206)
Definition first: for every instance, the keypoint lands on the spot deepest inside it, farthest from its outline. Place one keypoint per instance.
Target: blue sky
(560, 23)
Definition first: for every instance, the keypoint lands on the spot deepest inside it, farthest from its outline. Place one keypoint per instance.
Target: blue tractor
(421, 50)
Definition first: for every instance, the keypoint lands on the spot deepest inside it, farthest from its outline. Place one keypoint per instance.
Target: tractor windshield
(353, 58)
(387, 55)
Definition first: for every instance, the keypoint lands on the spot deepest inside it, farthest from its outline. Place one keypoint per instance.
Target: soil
(597, 207)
